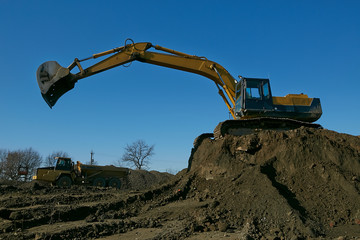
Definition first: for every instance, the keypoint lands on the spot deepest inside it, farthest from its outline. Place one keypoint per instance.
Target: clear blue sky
(306, 46)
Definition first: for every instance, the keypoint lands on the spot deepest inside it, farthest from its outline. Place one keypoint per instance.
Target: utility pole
(91, 157)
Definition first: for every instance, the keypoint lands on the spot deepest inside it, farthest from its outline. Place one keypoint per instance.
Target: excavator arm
(54, 80)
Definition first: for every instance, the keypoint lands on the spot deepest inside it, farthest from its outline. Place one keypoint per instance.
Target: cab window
(253, 93)
(238, 92)
(266, 90)
(63, 164)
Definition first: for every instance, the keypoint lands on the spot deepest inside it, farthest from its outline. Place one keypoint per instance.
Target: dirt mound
(141, 179)
(302, 182)
(297, 184)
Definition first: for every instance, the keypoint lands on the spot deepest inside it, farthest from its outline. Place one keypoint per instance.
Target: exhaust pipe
(54, 81)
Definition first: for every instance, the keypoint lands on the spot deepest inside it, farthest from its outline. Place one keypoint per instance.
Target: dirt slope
(141, 179)
(303, 182)
(298, 184)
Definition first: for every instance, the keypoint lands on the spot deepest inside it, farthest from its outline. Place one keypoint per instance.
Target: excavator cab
(253, 97)
(64, 164)
(254, 100)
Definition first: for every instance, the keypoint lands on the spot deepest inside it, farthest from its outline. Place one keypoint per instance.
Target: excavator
(249, 100)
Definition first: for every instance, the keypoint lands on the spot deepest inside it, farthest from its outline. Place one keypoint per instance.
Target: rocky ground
(297, 184)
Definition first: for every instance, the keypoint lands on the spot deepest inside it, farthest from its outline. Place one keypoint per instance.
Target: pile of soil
(296, 184)
(141, 179)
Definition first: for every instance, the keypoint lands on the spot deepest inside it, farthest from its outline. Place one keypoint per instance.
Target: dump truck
(249, 100)
(65, 173)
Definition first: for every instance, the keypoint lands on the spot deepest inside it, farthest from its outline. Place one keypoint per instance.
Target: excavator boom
(54, 80)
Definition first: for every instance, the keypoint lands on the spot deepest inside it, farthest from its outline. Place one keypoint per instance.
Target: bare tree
(28, 159)
(138, 154)
(11, 165)
(50, 159)
(3, 156)
(31, 160)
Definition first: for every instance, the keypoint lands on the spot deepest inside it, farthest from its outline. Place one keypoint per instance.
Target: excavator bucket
(54, 81)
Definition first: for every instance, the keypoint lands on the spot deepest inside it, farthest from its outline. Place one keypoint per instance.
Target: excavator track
(250, 126)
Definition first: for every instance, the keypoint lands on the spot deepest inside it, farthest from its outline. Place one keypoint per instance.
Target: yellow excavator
(249, 100)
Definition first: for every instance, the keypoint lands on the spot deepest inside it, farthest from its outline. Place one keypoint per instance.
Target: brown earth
(297, 184)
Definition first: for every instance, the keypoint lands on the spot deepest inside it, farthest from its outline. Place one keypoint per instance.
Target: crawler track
(249, 126)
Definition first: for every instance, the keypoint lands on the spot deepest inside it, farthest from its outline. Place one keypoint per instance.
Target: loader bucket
(54, 81)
